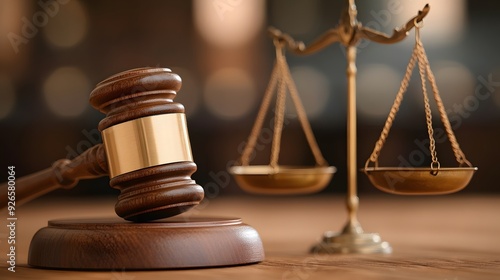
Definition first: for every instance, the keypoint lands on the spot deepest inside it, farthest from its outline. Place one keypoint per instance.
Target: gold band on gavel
(146, 142)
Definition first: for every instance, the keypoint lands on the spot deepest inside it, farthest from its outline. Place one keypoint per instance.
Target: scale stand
(349, 32)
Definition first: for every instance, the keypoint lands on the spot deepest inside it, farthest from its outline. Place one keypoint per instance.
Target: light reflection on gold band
(146, 142)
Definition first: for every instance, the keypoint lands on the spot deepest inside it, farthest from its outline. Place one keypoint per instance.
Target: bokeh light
(314, 90)
(229, 23)
(66, 91)
(230, 93)
(378, 85)
(443, 26)
(10, 27)
(454, 80)
(68, 26)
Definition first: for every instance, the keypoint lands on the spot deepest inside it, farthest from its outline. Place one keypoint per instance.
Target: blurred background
(52, 54)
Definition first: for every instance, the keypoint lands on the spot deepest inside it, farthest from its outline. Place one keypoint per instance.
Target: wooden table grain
(451, 237)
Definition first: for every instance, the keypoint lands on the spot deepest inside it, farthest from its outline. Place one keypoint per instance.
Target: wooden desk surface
(452, 237)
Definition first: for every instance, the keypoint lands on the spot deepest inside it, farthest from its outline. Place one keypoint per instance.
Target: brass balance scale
(276, 179)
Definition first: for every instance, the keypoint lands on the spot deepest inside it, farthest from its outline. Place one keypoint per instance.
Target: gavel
(146, 150)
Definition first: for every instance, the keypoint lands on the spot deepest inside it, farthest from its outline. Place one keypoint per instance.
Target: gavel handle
(64, 173)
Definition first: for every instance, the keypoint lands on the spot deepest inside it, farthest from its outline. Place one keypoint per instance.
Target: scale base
(109, 244)
(351, 243)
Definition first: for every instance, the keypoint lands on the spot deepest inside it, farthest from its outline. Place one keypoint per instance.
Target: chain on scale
(281, 80)
(419, 56)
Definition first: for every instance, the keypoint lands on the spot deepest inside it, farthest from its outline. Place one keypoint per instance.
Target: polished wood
(147, 194)
(64, 173)
(154, 192)
(454, 237)
(171, 243)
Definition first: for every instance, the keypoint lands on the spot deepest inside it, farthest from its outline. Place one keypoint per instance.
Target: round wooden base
(106, 244)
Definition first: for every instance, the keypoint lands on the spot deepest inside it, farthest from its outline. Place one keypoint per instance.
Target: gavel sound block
(147, 155)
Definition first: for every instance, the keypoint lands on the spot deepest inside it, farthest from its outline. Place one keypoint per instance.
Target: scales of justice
(276, 179)
(147, 155)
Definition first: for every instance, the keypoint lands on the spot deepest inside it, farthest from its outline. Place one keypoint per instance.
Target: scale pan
(419, 181)
(264, 179)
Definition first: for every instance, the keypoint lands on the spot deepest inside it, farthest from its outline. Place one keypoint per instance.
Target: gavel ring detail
(146, 150)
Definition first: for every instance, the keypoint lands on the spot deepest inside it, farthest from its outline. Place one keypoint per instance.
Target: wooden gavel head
(147, 145)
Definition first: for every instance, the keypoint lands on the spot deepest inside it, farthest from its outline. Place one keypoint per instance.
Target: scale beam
(348, 32)
(399, 33)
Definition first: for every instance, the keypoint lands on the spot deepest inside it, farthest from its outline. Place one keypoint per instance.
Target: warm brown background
(444, 237)
(122, 35)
